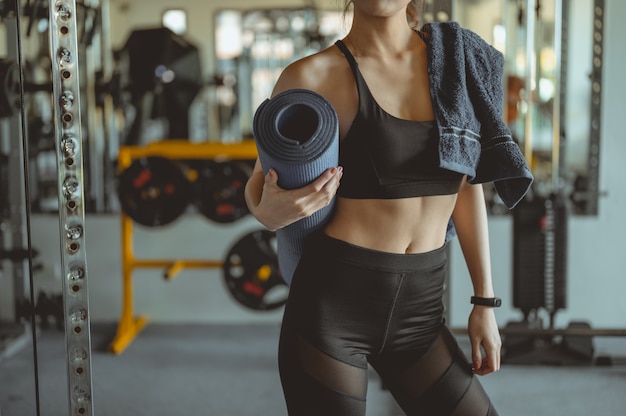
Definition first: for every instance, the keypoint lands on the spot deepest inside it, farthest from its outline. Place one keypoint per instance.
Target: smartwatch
(493, 302)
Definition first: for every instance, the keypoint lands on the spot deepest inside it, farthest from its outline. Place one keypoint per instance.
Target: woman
(416, 141)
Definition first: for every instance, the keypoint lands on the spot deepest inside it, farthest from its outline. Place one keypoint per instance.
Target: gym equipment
(219, 189)
(18, 254)
(539, 280)
(166, 67)
(9, 98)
(49, 307)
(68, 129)
(154, 191)
(572, 345)
(582, 346)
(539, 283)
(4, 188)
(297, 134)
(130, 325)
(251, 272)
(539, 255)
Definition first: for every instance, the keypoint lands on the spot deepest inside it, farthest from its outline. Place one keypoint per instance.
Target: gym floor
(177, 369)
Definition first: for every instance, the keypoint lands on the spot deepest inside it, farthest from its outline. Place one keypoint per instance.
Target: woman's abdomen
(408, 225)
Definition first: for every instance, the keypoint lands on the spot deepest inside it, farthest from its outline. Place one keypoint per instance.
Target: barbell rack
(130, 325)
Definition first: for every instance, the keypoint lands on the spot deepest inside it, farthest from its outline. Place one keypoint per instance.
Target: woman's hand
(483, 331)
(278, 207)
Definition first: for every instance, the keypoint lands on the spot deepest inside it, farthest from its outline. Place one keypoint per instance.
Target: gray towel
(297, 134)
(466, 77)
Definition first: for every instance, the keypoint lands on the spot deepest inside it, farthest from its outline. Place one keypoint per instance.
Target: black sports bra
(385, 157)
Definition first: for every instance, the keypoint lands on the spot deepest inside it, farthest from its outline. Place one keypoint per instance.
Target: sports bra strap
(344, 49)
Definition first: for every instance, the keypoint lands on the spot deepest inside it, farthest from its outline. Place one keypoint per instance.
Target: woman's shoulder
(314, 72)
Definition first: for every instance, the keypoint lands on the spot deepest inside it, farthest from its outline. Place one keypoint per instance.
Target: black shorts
(357, 304)
(350, 306)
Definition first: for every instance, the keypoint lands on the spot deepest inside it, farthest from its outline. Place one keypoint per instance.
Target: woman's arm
(272, 205)
(275, 207)
(470, 221)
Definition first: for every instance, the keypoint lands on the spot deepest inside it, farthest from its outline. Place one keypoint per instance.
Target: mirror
(548, 95)
(552, 96)
(42, 119)
(18, 328)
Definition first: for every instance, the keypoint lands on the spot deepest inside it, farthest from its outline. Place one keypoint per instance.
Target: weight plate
(154, 191)
(251, 272)
(219, 190)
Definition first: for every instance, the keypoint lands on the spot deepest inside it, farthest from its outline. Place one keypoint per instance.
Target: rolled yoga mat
(297, 134)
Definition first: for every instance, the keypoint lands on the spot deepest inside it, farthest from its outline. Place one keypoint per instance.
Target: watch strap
(493, 302)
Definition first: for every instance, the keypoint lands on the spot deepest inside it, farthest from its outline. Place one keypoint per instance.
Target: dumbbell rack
(130, 325)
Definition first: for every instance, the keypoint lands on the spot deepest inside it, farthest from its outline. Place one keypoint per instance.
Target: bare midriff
(406, 225)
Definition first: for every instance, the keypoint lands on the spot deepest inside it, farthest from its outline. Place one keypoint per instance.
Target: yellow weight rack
(129, 325)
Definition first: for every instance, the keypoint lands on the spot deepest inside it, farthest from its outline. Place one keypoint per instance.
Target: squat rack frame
(130, 325)
(68, 146)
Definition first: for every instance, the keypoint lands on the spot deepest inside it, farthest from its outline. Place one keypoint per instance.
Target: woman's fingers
(329, 177)
(477, 358)
(320, 192)
(485, 338)
(488, 364)
(491, 362)
(282, 207)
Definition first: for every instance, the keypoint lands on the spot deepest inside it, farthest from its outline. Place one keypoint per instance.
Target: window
(175, 20)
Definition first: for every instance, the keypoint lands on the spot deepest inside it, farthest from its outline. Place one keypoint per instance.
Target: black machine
(164, 77)
(540, 285)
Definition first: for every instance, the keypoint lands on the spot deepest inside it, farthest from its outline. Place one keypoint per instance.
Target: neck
(380, 35)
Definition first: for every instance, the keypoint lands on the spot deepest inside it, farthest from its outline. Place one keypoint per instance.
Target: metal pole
(593, 166)
(20, 200)
(68, 141)
(558, 106)
(531, 78)
(111, 136)
(94, 150)
(17, 190)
